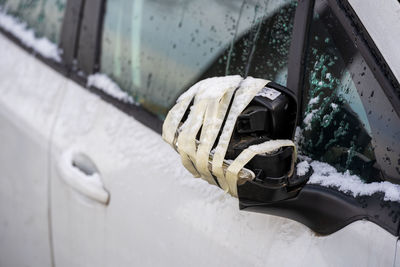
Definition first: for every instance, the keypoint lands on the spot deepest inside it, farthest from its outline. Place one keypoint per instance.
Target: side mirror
(224, 129)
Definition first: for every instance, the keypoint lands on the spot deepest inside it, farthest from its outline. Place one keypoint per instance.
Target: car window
(348, 120)
(44, 16)
(156, 49)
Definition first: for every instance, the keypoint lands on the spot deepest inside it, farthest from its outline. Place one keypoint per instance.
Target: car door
(30, 94)
(119, 195)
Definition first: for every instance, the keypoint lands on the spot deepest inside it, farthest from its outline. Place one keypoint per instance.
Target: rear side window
(348, 120)
(45, 17)
(155, 50)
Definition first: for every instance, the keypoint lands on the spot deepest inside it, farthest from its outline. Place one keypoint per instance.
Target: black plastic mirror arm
(326, 210)
(297, 51)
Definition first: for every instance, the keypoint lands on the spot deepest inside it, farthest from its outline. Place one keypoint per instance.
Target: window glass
(157, 49)
(44, 16)
(348, 120)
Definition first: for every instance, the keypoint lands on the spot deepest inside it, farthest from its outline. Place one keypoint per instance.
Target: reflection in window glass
(348, 120)
(44, 16)
(157, 49)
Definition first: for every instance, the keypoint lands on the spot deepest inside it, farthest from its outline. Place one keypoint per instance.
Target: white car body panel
(29, 97)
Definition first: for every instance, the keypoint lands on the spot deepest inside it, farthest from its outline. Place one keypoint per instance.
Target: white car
(86, 179)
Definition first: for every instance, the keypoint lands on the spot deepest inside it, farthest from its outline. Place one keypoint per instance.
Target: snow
(190, 93)
(326, 175)
(108, 86)
(20, 30)
(308, 118)
(302, 168)
(271, 146)
(298, 135)
(214, 88)
(313, 101)
(241, 100)
(211, 87)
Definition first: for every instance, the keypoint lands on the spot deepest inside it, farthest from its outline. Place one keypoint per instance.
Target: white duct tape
(211, 98)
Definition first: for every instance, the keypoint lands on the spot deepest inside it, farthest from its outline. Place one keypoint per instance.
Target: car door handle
(79, 172)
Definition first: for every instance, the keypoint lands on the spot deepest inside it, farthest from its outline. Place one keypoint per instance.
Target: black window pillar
(89, 36)
(70, 30)
(297, 51)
